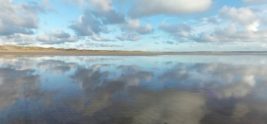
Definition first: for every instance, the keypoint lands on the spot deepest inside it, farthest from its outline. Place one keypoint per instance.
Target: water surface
(133, 90)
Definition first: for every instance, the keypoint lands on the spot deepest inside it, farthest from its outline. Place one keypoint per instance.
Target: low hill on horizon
(13, 49)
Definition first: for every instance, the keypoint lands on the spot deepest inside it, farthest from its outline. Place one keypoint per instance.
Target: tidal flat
(170, 89)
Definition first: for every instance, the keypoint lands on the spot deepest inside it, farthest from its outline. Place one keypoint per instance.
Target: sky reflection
(118, 90)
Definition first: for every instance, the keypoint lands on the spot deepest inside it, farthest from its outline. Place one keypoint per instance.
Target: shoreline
(20, 50)
(124, 53)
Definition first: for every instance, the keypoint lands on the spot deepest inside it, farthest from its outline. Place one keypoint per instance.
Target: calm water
(133, 90)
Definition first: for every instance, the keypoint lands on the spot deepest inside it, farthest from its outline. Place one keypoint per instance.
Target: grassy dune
(8, 49)
(20, 50)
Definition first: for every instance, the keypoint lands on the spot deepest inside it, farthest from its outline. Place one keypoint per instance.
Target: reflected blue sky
(111, 89)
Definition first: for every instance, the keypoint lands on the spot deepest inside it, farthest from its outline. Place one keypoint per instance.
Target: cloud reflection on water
(116, 90)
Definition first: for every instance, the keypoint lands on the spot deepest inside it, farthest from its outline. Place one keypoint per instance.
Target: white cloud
(241, 25)
(55, 37)
(232, 24)
(100, 5)
(244, 16)
(237, 36)
(156, 7)
(136, 26)
(105, 5)
(18, 18)
(133, 30)
(254, 1)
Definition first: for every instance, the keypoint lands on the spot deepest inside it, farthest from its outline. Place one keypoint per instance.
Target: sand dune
(9, 49)
(21, 50)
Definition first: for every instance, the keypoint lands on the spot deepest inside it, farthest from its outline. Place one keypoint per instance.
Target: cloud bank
(155, 24)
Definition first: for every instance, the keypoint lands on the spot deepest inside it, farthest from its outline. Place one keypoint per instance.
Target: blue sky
(150, 25)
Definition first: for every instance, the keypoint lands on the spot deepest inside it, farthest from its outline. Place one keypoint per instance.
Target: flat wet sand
(133, 90)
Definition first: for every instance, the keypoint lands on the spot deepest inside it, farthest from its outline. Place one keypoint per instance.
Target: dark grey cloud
(55, 38)
(96, 22)
(183, 32)
(111, 17)
(176, 30)
(129, 37)
(87, 25)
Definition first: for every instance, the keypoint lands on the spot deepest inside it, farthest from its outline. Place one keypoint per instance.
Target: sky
(147, 25)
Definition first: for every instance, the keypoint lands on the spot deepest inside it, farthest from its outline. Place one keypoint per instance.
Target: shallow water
(133, 90)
